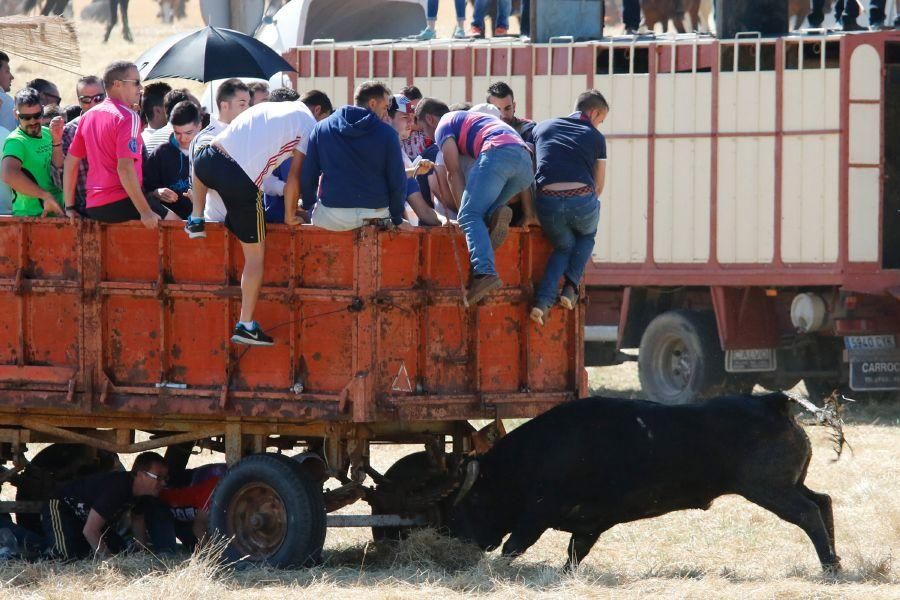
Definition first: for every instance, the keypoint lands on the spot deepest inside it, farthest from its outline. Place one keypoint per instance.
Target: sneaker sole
(249, 342)
(472, 300)
(500, 226)
(195, 235)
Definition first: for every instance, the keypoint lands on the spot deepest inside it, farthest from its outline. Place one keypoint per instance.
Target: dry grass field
(734, 550)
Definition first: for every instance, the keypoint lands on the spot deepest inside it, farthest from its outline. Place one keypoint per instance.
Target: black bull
(590, 464)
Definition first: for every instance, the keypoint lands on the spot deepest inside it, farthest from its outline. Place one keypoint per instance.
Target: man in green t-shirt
(28, 153)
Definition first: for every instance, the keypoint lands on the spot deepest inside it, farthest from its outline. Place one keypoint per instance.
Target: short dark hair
(184, 112)
(28, 97)
(173, 97)
(412, 92)
(72, 111)
(43, 86)
(153, 97)
(283, 94)
(51, 110)
(257, 86)
(431, 106)
(229, 88)
(591, 100)
(461, 106)
(87, 80)
(369, 90)
(116, 70)
(318, 98)
(499, 89)
(4, 57)
(146, 460)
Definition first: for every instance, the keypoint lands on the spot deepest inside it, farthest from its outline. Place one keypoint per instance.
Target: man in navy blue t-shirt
(571, 169)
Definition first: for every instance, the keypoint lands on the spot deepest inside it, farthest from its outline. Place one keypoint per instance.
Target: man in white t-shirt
(235, 164)
(232, 98)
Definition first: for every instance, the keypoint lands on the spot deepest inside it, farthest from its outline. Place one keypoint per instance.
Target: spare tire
(406, 477)
(271, 513)
(680, 359)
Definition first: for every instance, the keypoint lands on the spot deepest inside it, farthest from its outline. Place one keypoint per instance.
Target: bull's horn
(468, 482)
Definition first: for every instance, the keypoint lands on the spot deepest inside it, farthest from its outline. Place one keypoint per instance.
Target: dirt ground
(734, 550)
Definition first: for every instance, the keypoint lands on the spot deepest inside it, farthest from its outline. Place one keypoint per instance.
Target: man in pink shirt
(109, 136)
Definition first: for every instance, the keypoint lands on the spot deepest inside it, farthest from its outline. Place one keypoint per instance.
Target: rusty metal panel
(369, 325)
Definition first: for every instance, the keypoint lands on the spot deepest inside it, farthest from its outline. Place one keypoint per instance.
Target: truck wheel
(680, 359)
(408, 474)
(271, 513)
(53, 466)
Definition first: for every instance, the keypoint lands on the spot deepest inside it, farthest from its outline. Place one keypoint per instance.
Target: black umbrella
(208, 54)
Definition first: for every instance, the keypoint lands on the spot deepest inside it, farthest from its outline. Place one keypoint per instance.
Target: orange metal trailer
(113, 330)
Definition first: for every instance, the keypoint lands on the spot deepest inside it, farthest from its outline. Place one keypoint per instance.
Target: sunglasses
(94, 98)
(30, 117)
(156, 477)
(136, 82)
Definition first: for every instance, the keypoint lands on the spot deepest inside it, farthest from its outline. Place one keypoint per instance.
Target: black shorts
(242, 199)
(124, 210)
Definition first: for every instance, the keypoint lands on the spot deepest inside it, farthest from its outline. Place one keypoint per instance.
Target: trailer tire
(406, 473)
(270, 512)
(680, 359)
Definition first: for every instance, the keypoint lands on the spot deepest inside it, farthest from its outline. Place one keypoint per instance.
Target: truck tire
(271, 513)
(407, 474)
(680, 359)
(53, 466)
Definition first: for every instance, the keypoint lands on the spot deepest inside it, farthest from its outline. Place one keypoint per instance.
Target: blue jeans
(571, 226)
(433, 9)
(497, 175)
(504, 7)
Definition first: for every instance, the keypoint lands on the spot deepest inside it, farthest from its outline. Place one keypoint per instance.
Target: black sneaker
(251, 337)
(569, 296)
(195, 228)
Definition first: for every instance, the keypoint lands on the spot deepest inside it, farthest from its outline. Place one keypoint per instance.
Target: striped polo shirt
(475, 132)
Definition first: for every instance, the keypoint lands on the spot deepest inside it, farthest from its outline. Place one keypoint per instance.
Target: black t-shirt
(109, 494)
(567, 150)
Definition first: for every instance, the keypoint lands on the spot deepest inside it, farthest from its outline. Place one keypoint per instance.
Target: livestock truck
(749, 225)
(746, 237)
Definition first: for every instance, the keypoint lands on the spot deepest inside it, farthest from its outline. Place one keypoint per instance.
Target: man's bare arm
(454, 171)
(128, 176)
(93, 532)
(292, 188)
(599, 176)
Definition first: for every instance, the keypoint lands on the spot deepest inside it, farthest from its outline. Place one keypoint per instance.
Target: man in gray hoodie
(360, 161)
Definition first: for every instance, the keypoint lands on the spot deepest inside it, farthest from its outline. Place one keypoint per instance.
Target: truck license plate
(873, 370)
(750, 361)
(870, 342)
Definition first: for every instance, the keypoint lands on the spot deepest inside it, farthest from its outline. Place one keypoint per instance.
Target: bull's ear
(485, 438)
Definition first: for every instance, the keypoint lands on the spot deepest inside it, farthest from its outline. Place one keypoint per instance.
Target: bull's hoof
(832, 569)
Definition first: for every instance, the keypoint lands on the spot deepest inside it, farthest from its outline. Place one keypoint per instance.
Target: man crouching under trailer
(80, 516)
(255, 143)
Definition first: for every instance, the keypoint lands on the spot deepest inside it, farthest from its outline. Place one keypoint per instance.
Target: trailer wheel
(53, 466)
(680, 359)
(271, 513)
(408, 474)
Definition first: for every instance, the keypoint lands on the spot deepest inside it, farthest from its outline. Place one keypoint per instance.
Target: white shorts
(345, 219)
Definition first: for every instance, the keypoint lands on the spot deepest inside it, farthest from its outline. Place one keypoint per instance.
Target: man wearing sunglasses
(109, 136)
(28, 153)
(90, 93)
(81, 516)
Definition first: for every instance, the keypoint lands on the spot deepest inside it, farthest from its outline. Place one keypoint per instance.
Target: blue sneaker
(251, 337)
(195, 228)
(425, 35)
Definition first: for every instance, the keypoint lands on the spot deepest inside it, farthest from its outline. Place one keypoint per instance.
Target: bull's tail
(830, 415)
